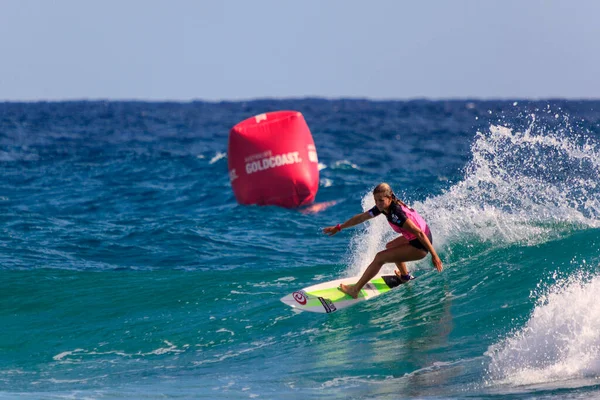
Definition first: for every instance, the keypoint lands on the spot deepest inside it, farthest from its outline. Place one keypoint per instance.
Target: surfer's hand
(332, 230)
(437, 263)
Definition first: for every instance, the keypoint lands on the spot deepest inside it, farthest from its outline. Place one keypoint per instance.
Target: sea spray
(520, 187)
(561, 339)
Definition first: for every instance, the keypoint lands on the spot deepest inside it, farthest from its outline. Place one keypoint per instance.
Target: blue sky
(233, 50)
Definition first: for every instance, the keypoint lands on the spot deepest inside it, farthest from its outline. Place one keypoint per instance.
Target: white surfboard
(327, 298)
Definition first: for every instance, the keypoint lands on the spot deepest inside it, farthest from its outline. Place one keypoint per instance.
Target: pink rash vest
(398, 215)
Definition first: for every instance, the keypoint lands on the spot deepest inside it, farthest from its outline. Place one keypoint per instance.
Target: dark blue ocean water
(127, 270)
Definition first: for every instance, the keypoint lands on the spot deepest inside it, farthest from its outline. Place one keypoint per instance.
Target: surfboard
(327, 298)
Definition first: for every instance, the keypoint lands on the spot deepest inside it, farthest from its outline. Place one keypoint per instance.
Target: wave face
(560, 341)
(127, 269)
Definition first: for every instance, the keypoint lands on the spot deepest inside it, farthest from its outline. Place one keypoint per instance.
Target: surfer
(414, 244)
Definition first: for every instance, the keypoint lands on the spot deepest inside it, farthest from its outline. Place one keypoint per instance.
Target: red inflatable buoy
(273, 160)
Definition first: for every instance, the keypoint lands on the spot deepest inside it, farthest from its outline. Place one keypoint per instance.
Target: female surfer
(414, 244)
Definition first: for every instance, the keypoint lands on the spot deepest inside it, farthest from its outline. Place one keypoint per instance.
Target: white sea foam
(164, 350)
(560, 341)
(286, 279)
(64, 354)
(325, 182)
(519, 187)
(217, 157)
(171, 348)
(344, 164)
(233, 354)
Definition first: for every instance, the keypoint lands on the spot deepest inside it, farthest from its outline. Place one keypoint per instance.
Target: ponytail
(400, 202)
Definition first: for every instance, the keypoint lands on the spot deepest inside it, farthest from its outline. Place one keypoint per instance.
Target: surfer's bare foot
(348, 290)
(398, 274)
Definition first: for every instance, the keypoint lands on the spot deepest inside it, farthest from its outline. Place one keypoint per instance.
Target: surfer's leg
(369, 273)
(402, 269)
(397, 255)
(399, 241)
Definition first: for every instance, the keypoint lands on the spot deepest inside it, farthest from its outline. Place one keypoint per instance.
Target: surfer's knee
(422, 254)
(399, 241)
(379, 258)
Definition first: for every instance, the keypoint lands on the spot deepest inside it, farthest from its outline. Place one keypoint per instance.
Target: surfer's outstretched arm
(357, 219)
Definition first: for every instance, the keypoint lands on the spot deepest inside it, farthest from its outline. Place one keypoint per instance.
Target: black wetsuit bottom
(417, 243)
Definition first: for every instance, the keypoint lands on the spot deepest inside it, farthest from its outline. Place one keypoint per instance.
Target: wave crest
(561, 339)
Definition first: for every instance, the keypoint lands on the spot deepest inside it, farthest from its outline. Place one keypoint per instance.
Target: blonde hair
(387, 191)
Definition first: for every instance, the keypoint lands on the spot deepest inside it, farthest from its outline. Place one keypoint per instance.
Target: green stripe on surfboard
(335, 295)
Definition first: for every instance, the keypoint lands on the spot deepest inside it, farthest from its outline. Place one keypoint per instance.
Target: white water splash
(368, 242)
(560, 341)
(520, 187)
